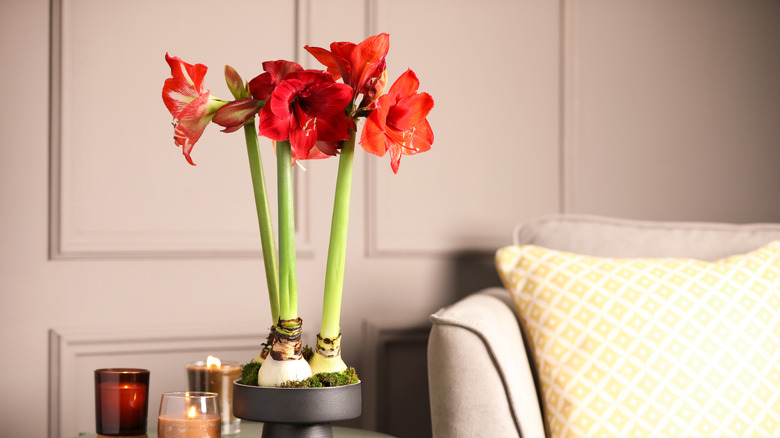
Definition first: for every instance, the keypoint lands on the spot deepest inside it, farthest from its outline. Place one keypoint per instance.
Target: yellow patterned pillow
(651, 347)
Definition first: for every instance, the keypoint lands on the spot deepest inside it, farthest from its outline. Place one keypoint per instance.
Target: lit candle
(188, 415)
(217, 376)
(123, 405)
(193, 425)
(121, 401)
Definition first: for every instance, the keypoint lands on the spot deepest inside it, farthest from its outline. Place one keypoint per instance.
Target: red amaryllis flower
(306, 107)
(263, 84)
(399, 123)
(236, 114)
(190, 104)
(361, 65)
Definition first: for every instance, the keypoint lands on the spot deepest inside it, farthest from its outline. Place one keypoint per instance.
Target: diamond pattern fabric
(651, 347)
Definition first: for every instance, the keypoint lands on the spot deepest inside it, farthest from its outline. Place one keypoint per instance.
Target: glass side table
(251, 429)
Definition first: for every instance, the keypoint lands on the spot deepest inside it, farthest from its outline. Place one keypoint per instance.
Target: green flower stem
(264, 219)
(337, 249)
(288, 288)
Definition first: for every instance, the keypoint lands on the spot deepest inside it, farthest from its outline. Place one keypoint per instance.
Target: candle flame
(212, 361)
(192, 412)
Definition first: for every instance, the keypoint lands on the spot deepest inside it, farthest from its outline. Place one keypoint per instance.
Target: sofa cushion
(615, 237)
(636, 347)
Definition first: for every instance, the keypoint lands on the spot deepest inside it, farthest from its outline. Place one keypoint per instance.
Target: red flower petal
(395, 156)
(343, 50)
(335, 64)
(279, 69)
(368, 60)
(191, 123)
(303, 134)
(410, 111)
(334, 128)
(275, 71)
(282, 97)
(273, 127)
(191, 74)
(328, 98)
(261, 86)
(375, 89)
(177, 94)
(373, 137)
(324, 149)
(422, 139)
(406, 85)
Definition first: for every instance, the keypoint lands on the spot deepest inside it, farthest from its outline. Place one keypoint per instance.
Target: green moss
(249, 373)
(322, 380)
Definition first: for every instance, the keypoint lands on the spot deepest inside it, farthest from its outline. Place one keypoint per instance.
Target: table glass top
(253, 429)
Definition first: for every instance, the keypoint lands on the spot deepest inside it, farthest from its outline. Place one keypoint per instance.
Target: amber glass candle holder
(121, 402)
(189, 414)
(217, 376)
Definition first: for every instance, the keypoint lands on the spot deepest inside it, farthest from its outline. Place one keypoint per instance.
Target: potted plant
(309, 114)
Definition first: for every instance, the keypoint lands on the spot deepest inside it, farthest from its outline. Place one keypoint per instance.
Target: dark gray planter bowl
(297, 412)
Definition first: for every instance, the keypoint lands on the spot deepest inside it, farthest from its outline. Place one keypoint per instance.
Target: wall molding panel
(653, 126)
(394, 362)
(74, 354)
(118, 186)
(417, 212)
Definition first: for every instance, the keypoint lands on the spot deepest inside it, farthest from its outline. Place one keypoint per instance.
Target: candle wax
(176, 426)
(219, 380)
(122, 407)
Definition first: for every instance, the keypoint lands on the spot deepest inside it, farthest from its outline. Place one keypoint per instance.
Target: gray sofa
(482, 381)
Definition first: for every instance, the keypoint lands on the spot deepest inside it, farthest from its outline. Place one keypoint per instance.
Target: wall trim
(374, 245)
(569, 103)
(55, 93)
(378, 334)
(68, 345)
(66, 241)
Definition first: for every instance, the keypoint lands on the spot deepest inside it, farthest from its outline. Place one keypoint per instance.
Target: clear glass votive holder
(188, 415)
(217, 377)
(121, 401)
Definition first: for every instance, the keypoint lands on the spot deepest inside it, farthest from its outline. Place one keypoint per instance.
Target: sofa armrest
(481, 383)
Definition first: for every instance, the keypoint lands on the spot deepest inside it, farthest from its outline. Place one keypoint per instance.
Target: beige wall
(657, 110)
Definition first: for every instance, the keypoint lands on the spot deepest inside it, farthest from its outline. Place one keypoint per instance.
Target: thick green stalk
(337, 248)
(288, 288)
(264, 219)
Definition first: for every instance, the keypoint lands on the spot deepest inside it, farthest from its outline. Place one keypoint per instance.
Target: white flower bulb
(275, 372)
(322, 364)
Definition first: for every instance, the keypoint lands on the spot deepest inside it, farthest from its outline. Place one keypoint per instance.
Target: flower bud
(235, 83)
